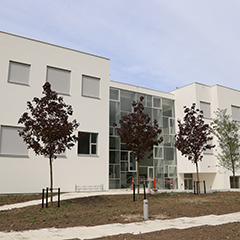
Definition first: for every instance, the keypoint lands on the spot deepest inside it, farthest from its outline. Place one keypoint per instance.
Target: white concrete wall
(31, 174)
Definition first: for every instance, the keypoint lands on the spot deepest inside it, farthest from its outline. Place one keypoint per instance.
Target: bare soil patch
(11, 199)
(99, 210)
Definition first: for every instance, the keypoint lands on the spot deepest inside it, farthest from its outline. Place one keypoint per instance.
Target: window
(172, 171)
(18, 73)
(158, 152)
(90, 86)
(114, 94)
(168, 107)
(87, 143)
(205, 107)
(237, 182)
(11, 143)
(126, 100)
(236, 113)
(157, 103)
(59, 80)
(169, 153)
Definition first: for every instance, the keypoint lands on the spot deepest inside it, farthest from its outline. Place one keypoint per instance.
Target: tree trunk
(51, 181)
(138, 175)
(234, 183)
(233, 171)
(198, 183)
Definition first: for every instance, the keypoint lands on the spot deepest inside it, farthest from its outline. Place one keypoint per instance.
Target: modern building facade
(208, 99)
(163, 164)
(99, 157)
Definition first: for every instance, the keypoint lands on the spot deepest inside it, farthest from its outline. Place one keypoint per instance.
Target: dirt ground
(99, 210)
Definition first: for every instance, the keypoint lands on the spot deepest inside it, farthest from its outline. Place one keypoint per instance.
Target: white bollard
(145, 208)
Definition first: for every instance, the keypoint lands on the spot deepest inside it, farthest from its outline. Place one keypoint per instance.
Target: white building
(209, 99)
(84, 82)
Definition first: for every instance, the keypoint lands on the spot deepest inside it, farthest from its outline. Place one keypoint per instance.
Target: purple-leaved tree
(138, 133)
(47, 129)
(193, 136)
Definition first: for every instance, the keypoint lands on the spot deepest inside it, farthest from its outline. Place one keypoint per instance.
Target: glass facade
(122, 164)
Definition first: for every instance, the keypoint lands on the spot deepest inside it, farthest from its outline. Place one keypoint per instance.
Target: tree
(193, 136)
(47, 129)
(227, 132)
(139, 133)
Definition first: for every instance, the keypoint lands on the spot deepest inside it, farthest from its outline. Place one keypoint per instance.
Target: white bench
(79, 188)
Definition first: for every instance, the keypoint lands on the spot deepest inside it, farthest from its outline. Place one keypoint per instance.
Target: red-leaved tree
(193, 136)
(47, 129)
(138, 133)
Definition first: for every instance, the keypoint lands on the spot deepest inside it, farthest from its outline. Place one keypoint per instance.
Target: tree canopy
(47, 129)
(139, 133)
(194, 136)
(227, 132)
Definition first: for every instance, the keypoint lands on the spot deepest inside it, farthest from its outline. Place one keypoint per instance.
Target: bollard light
(145, 208)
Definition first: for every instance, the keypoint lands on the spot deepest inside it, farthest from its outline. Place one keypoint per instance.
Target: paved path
(113, 229)
(65, 196)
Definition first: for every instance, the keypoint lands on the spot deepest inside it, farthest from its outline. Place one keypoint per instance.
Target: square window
(59, 80)
(90, 86)
(11, 143)
(87, 143)
(236, 113)
(205, 107)
(19, 73)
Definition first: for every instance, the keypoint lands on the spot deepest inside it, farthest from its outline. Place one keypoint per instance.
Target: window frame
(18, 155)
(99, 87)
(9, 73)
(53, 83)
(157, 98)
(206, 103)
(90, 144)
(238, 108)
(114, 89)
(154, 155)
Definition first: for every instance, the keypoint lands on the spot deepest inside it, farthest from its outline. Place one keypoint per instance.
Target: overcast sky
(158, 44)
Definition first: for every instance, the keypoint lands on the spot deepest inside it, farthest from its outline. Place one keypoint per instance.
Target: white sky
(158, 44)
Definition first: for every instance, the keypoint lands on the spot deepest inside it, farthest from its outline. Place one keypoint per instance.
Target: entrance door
(188, 182)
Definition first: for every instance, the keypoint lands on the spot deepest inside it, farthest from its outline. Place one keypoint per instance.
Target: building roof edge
(54, 45)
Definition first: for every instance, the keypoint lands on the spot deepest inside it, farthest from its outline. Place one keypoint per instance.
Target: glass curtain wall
(122, 164)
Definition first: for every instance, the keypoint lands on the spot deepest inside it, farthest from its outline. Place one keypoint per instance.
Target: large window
(59, 80)
(236, 113)
(237, 182)
(87, 143)
(162, 163)
(205, 107)
(90, 86)
(18, 73)
(11, 143)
